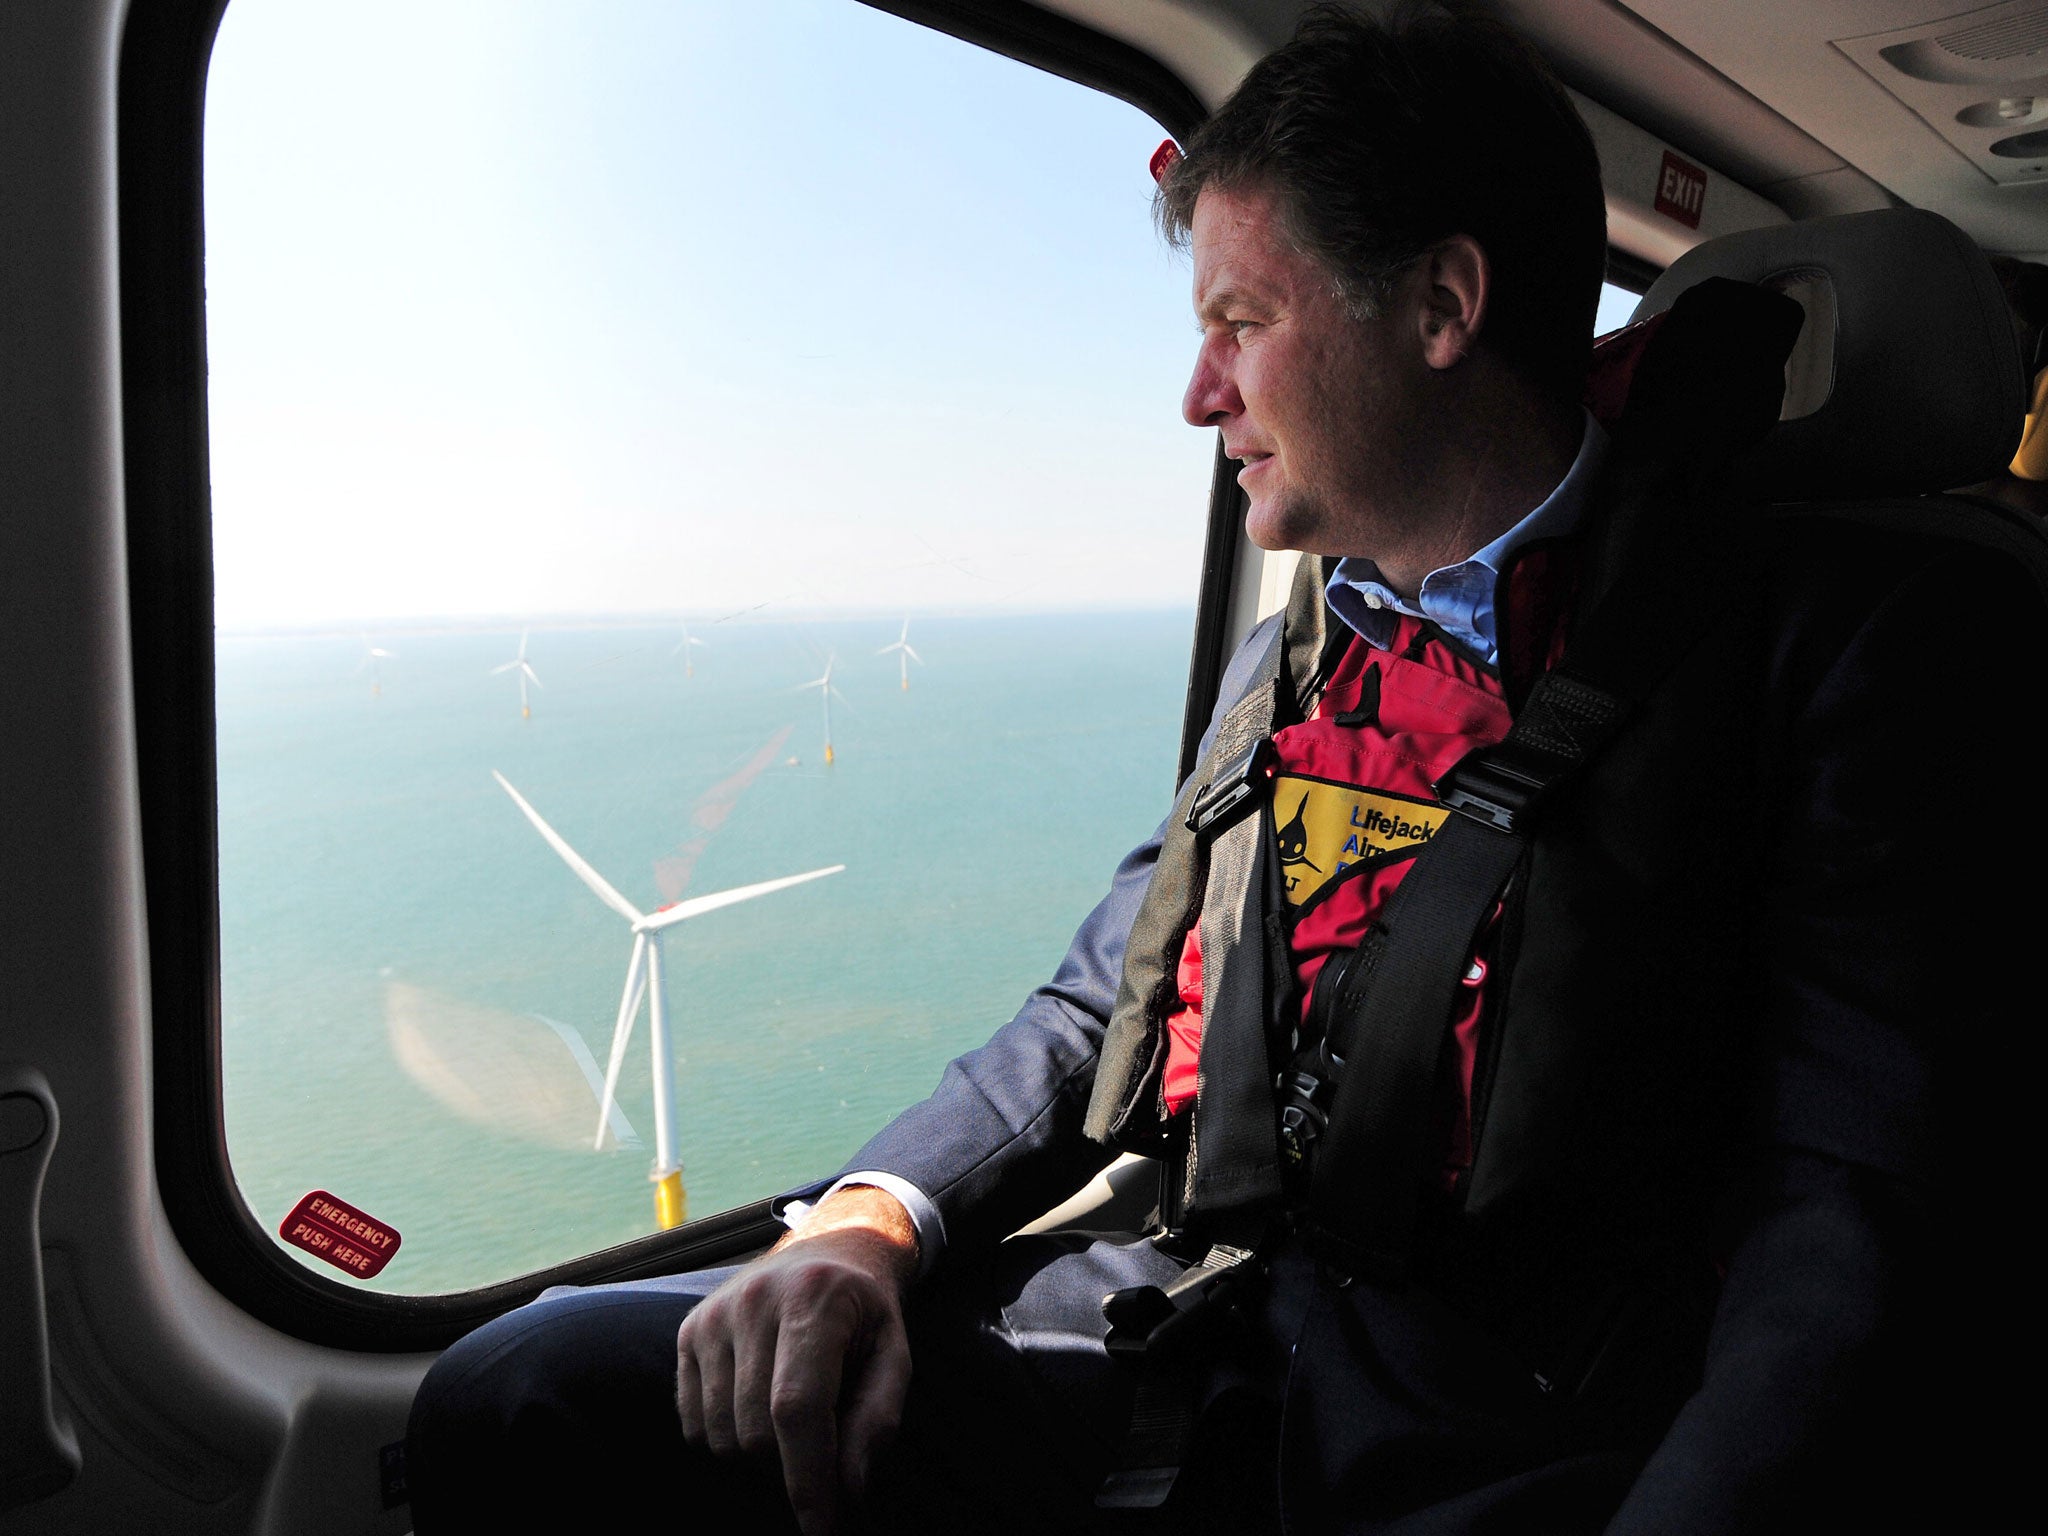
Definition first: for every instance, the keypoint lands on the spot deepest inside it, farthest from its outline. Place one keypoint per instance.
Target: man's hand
(802, 1354)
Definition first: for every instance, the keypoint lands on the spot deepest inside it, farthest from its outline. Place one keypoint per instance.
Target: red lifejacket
(1352, 803)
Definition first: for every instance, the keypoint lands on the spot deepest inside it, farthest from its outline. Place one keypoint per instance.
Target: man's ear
(1457, 287)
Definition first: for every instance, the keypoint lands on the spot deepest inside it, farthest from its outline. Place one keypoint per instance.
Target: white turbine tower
(526, 673)
(372, 655)
(826, 693)
(683, 645)
(644, 976)
(905, 655)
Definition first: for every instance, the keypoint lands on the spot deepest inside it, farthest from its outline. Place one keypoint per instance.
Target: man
(1642, 1241)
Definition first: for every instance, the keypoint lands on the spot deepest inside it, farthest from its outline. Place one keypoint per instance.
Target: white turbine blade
(507, 667)
(570, 856)
(698, 905)
(913, 655)
(622, 1033)
(530, 673)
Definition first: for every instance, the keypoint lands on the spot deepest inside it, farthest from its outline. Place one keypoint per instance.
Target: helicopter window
(1616, 305)
(659, 452)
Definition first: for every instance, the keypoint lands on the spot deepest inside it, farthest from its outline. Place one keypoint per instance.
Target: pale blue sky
(531, 309)
(521, 308)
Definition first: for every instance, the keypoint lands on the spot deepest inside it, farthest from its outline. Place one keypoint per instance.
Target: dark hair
(1381, 139)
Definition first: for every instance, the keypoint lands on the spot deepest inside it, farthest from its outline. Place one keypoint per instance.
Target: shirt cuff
(924, 1216)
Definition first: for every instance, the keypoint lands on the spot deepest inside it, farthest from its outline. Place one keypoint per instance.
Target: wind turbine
(683, 645)
(825, 694)
(525, 672)
(644, 977)
(905, 655)
(372, 654)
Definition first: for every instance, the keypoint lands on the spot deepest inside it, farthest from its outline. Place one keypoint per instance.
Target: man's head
(1419, 206)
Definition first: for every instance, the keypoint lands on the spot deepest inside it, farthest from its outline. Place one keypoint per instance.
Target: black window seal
(165, 49)
(1635, 273)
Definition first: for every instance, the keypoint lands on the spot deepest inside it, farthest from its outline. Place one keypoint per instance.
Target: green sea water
(405, 963)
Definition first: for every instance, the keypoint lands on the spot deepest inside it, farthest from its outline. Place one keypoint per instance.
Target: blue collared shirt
(1458, 599)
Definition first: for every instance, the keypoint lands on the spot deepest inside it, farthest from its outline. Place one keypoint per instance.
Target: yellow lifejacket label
(1321, 829)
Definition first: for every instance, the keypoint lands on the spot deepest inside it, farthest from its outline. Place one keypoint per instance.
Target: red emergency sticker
(336, 1231)
(1163, 158)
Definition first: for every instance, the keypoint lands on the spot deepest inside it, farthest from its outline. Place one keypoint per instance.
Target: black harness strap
(1230, 1176)
(1392, 1013)
(1124, 1109)
(1237, 1163)
(1233, 1175)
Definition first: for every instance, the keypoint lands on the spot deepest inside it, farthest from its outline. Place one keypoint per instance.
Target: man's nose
(1211, 396)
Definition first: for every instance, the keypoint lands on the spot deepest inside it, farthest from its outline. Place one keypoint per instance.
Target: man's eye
(1241, 328)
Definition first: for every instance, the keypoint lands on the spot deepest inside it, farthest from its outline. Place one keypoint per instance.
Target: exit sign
(1681, 190)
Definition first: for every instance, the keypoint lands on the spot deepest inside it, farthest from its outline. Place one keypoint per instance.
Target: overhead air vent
(1996, 42)
(1975, 78)
(2023, 146)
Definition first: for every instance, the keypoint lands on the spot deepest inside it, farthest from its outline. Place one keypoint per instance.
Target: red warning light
(1163, 158)
(336, 1231)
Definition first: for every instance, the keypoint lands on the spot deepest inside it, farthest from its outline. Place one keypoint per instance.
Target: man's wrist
(924, 1215)
(869, 1212)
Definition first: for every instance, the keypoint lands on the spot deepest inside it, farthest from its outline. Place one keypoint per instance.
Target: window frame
(1626, 270)
(166, 46)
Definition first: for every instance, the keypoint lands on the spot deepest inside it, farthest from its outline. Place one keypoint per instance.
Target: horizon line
(664, 619)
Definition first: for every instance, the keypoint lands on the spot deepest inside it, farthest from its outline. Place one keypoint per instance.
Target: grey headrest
(1907, 375)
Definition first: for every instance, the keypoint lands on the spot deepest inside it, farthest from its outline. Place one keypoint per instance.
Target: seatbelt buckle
(1303, 1118)
(1487, 787)
(1233, 788)
(1140, 1316)
(1151, 1326)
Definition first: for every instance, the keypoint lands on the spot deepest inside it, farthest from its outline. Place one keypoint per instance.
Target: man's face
(1319, 407)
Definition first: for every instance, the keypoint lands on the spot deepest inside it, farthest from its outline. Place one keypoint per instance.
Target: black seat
(1907, 377)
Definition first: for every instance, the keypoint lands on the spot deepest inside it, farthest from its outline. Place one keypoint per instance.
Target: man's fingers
(753, 1359)
(689, 1390)
(804, 1405)
(715, 1377)
(876, 1405)
(762, 1364)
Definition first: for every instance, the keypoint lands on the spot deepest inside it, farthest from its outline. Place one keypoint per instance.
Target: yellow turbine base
(671, 1201)
(828, 751)
(525, 712)
(906, 685)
